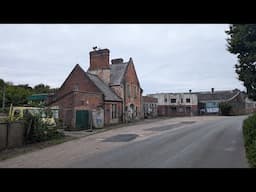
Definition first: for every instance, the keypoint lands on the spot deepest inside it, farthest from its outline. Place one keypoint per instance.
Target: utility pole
(3, 104)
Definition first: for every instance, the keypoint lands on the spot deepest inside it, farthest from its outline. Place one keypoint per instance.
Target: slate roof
(109, 94)
(216, 96)
(117, 72)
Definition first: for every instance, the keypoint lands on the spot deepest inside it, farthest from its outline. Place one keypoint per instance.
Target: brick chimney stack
(99, 64)
(99, 59)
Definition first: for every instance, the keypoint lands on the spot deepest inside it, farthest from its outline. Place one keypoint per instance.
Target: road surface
(189, 142)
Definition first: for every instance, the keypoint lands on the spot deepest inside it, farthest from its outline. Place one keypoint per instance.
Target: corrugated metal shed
(38, 97)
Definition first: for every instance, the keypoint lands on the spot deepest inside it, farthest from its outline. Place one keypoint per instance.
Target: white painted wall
(178, 96)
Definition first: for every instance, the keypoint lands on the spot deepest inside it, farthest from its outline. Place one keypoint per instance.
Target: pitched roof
(109, 94)
(117, 72)
(217, 95)
(149, 99)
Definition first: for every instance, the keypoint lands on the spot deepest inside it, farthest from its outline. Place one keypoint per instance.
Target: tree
(242, 42)
(41, 88)
(16, 95)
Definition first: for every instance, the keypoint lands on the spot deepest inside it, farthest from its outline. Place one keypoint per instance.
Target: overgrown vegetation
(225, 108)
(249, 132)
(242, 42)
(17, 94)
(38, 131)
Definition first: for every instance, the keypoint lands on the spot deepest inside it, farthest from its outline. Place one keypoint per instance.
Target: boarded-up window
(114, 111)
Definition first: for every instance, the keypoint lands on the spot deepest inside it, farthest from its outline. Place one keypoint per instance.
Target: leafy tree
(242, 42)
(16, 95)
(41, 88)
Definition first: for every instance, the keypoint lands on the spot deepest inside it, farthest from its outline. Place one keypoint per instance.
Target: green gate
(82, 119)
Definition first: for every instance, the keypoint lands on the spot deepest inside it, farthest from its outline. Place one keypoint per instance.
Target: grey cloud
(168, 58)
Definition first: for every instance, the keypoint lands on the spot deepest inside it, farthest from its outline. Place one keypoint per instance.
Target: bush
(5, 110)
(225, 108)
(38, 131)
(249, 132)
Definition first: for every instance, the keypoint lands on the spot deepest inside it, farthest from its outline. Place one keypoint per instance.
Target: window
(76, 87)
(187, 100)
(136, 111)
(181, 100)
(165, 99)
(135, 91)
(128, 90)
(17, 113)
(173, 100)
(114, 111)
(174, 109)
(188, 109)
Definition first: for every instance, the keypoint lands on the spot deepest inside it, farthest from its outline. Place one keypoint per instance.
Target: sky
(167, 57)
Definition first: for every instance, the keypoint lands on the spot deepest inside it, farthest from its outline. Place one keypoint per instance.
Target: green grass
(249, 132)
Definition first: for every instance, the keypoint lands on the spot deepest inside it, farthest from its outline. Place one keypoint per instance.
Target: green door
(82, 119)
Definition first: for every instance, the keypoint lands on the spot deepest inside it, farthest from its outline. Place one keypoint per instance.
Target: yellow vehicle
(17, 113)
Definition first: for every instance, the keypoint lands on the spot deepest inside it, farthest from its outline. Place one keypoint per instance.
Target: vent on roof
(117, 61)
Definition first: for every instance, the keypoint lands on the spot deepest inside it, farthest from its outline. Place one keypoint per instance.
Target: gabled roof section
(117, 72)
(109, 94)
(217, 95)
(77, 67)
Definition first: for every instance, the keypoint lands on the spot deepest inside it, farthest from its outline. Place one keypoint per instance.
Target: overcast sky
(167, 57)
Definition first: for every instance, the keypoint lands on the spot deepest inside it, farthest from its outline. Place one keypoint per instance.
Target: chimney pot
(117, 61)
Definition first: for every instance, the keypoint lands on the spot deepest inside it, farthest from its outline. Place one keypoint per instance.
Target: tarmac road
(191, 142)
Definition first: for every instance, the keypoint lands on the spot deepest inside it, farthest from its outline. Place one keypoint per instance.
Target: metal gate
(82, 119)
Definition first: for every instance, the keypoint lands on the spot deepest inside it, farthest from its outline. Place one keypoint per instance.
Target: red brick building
(115, 88)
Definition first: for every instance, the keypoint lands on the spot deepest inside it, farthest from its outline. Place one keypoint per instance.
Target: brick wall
(108, 112)
(135, 96)
(167, 110)
(76, 81)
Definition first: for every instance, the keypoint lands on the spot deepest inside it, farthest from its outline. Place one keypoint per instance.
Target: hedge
(249, 132)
